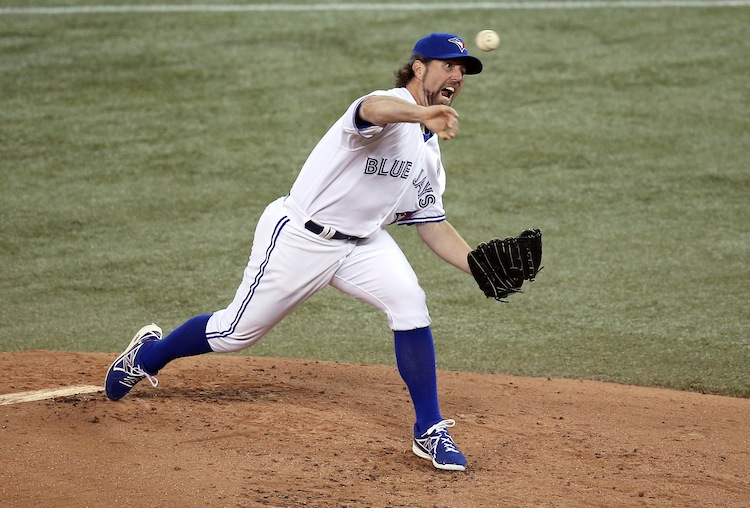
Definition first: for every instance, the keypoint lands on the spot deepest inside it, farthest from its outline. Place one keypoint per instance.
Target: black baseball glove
(501, 266)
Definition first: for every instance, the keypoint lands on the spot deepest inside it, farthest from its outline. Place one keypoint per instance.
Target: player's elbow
(368, 113)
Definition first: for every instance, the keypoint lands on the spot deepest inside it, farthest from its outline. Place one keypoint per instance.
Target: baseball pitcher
(378, 165)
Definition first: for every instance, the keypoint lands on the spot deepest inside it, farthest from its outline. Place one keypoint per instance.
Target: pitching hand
(442, 120)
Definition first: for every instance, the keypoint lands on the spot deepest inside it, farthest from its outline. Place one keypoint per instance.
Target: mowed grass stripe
(327, 7)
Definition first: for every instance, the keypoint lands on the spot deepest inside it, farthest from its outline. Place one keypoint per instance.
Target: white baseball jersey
(356, 180)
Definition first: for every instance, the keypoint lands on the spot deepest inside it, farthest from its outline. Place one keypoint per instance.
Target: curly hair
(405, 73)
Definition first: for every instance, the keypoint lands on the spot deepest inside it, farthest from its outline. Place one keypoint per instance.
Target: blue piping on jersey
(359, 122)
(420, 220)
(274, 237)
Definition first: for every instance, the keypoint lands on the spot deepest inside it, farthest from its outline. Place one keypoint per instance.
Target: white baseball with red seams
(487, 40)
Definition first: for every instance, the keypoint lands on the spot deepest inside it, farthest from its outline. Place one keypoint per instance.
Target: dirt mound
(243, 431)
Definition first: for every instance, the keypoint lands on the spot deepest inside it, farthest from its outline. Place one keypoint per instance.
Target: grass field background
(137, 150)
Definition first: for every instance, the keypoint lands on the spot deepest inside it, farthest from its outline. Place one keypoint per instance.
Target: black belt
(318, 230)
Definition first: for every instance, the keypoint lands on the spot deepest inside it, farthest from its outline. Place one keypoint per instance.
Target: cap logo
(458, 42)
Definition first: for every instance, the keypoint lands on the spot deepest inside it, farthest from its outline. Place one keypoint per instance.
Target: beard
(431, 97)
(434, 97)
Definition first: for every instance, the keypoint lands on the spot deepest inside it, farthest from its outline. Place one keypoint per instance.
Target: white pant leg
(287, 265)
(377, 272)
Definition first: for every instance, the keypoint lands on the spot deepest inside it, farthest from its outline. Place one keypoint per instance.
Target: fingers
(448, 133)
(442, 120)
(450, 128)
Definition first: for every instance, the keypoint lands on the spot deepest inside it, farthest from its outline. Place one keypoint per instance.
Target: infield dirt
(239, 431)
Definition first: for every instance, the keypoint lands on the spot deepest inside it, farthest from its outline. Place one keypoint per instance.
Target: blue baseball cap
(442, 46)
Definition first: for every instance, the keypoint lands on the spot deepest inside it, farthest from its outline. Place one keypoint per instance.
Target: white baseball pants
(288, 264)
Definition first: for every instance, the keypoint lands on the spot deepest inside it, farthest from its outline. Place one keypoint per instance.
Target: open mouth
(448, 92)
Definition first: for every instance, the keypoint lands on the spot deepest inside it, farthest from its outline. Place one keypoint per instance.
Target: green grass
(138, 150)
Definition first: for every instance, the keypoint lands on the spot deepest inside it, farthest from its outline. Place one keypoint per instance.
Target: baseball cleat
(126, 371)
(438, 446)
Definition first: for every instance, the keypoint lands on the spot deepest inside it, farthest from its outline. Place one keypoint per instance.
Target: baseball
(487, 40)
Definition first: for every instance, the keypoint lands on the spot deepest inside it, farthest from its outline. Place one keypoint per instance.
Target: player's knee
(231, 344)
(228, 335)
(409, 310)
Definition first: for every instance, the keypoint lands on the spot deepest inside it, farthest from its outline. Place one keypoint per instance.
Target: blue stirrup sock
(415, 359)
(189, 339)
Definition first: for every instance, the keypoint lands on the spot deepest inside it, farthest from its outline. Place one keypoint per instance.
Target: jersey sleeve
(433, 213)
(350, 119)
